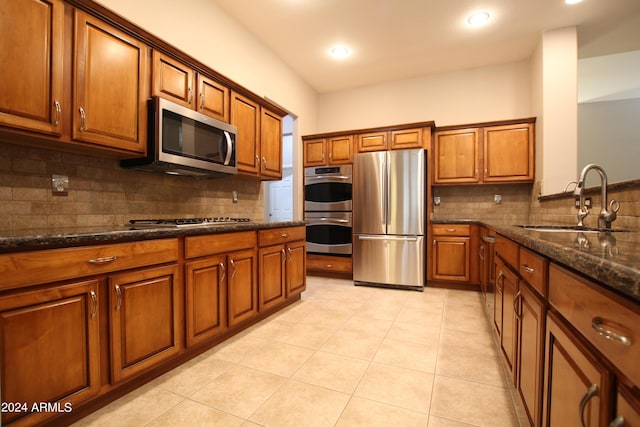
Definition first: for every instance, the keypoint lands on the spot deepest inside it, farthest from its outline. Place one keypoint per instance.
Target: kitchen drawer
(281, 235)
(588, 308)
(34, 268)
(211, 244)
(451, 229)
(534, 269)
(322, 263)
(507, 250)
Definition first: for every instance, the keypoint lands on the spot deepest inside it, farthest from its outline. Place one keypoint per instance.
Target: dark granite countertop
(610, 258)
(24, 240)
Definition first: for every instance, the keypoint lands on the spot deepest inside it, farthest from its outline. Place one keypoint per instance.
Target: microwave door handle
(229, 148)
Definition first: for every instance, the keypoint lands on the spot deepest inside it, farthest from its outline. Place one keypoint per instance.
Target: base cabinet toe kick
(571, 346)
(82, 326)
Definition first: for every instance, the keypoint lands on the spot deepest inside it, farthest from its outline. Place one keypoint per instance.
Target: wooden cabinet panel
(508, 283)
(340, 150)
(242, 286)
(534, 269)
(50, 347)
(212, 244)
(31, 54)
(32, 268)
(144, 318)
(331, 265)
(406, 138)
(272, 276)
(374, 141)
(508, 251)
(627, 413)
(296, 268)
(245, 115)
(456, 156)
(271, 144)
(172, 80)
(314, 152)
(451, 230)
(576, 385)
(213, 99)
(451, 258)
(530, 352)
(206, 298)
(281, 235)
(509, 153)
(110, 86)
(611, 326)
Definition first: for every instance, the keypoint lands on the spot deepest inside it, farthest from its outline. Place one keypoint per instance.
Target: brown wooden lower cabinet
(332, 266)
(145, 319)
(50, 349)
(506, 290)
(576, 384)
(206, 298)
(242, 282)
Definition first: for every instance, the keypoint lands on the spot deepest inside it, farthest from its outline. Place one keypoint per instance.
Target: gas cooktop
(184, 222)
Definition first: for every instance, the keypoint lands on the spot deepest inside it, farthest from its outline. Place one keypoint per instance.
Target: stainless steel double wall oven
(327, 206)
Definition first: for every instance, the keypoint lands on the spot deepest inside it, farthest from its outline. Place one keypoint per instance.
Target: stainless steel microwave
(185, 142)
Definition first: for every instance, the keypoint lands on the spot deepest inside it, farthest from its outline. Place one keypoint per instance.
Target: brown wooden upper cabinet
(328, 151)
(488, 154)
(173, 80)
(31, 54)
(110, 86)
(391, 140)
(259, 138)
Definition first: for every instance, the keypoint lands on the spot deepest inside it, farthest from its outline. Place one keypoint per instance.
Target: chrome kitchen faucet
(606, 217)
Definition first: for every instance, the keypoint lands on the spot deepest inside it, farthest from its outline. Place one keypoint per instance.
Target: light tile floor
(344, 355)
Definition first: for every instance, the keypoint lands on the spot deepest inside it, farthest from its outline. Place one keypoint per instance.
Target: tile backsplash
(101, 193)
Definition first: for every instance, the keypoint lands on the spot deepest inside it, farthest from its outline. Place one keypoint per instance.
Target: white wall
(497, 92)
(559, 95)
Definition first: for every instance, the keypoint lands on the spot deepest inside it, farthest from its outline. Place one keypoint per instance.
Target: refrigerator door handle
(402, 238)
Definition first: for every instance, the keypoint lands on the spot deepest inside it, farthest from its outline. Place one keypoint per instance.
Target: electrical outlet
(60, 184)
(497, 199)
(234, 197)
(587, 202)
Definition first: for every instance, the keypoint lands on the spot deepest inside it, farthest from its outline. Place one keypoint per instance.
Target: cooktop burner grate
(185, 222)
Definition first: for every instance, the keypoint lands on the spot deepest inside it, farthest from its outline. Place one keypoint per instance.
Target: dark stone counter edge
(85, 236)
(619, 277)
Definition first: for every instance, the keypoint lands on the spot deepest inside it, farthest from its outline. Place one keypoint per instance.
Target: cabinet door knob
(119, 295)
(233, 268)
(83, 117)
(223, 272)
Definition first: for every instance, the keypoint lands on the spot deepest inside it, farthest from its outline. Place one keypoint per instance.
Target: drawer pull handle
(528, 269)
(103, 260)
(450, 230)
(598, 325)
(618, 422)
(94, 303)
(591, 392)
(284, 235)
(119, 300)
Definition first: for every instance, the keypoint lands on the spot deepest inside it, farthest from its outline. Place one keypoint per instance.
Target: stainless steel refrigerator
(389, 218)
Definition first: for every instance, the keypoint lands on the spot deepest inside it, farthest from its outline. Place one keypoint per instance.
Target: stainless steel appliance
(327, 205)
(328, 188)
(329, 233)
(182, 141)
(389, 219)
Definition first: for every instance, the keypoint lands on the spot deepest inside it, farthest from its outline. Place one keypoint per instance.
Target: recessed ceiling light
(478, 18)
(572, 1)
(340, 52)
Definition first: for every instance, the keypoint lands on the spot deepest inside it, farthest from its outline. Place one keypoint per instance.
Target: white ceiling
(400, 39)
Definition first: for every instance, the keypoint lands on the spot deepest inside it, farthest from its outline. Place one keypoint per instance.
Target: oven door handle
(388, 237)
(337, 178)
(323, 219)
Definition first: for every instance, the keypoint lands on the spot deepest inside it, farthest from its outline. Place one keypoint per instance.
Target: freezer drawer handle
(410, 239)
(338, 221)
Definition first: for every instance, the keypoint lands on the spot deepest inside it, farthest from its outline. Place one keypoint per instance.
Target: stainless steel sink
(570, 229)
